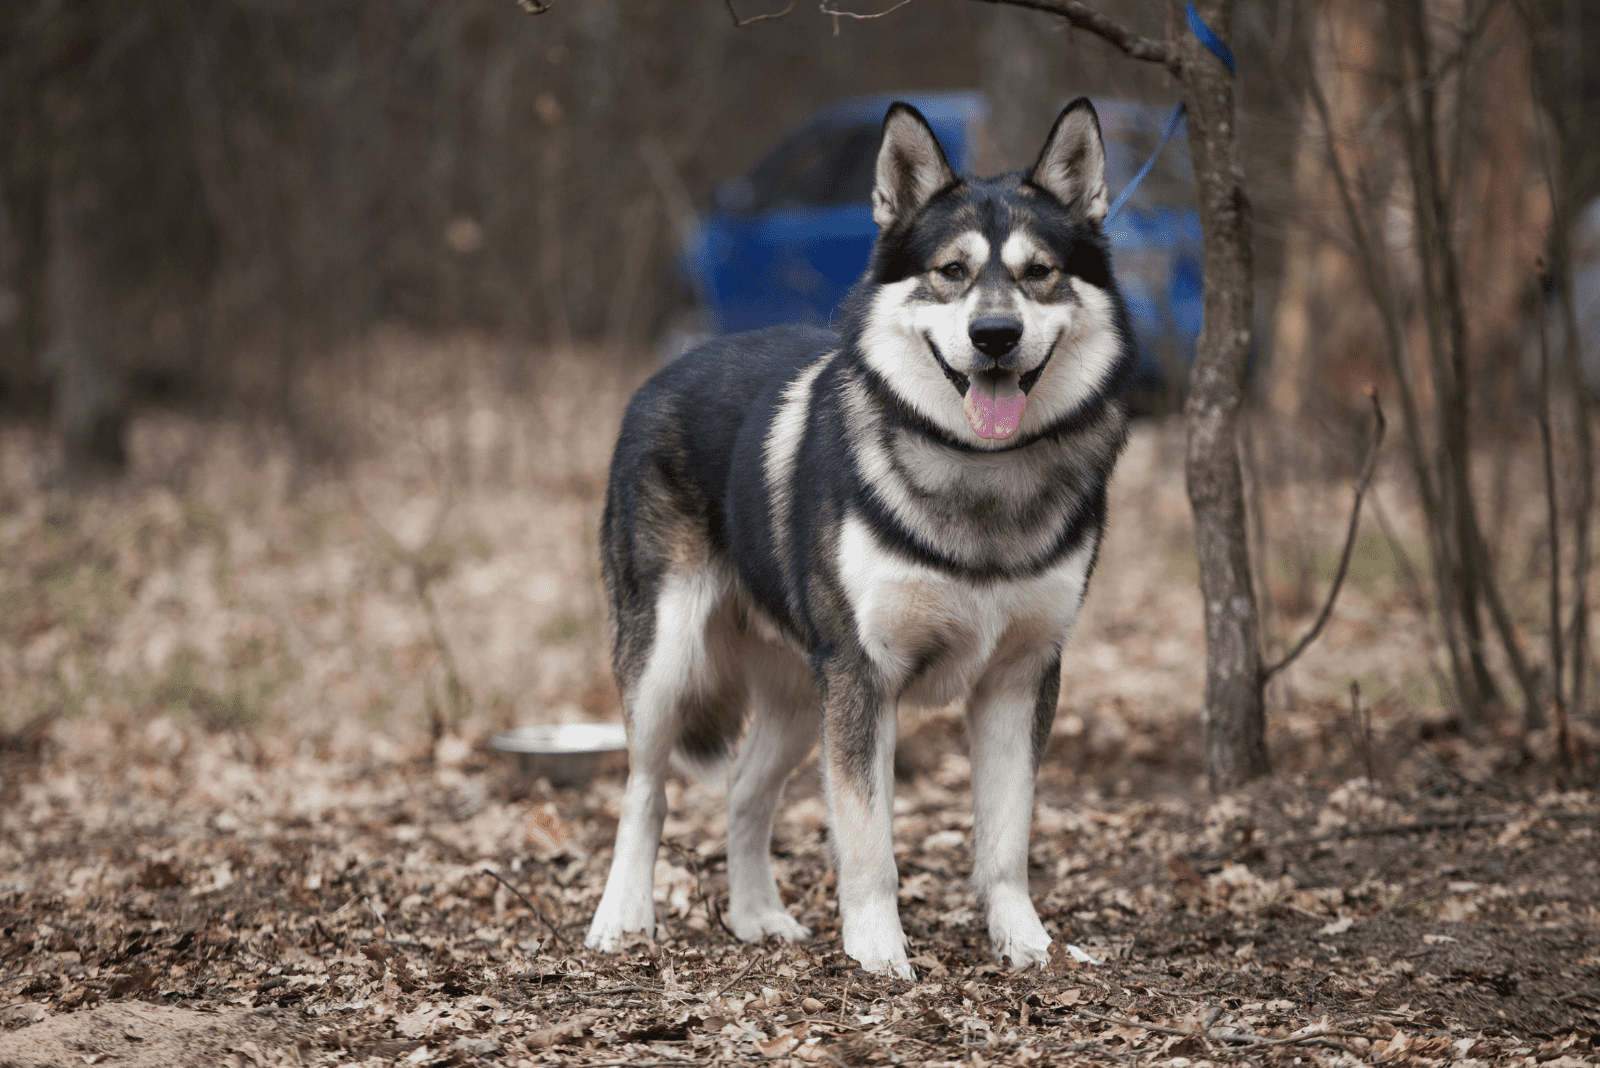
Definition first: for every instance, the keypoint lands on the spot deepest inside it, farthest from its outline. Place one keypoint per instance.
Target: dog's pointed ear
(911, 167)
(1072, 167)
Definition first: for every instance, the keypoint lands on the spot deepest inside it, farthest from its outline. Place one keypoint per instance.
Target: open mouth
(994, 403)
(993, 398)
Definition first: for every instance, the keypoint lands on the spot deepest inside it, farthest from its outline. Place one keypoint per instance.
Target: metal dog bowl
(568, 754)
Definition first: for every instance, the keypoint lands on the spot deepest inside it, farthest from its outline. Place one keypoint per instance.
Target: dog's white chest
(937, 634)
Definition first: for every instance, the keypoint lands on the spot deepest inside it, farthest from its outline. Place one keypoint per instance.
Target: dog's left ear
(911, 167)
(1072, 167)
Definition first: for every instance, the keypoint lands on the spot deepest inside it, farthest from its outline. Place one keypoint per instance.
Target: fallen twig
(712, 909)
(531, 906)
(1362, 482)
(731, 983)
(1324, 1039)
(1459, 823)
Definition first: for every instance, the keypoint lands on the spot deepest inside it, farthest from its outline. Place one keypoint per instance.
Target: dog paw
(756, 925)
(1023, 954)
(1015, 931)
(887, 965)
(880, 946)
(611, 928)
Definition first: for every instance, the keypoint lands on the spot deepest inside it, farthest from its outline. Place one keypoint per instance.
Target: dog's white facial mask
(994, 395)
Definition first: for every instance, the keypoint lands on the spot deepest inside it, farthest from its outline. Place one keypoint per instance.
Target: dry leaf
(547, 833)
(562, 1032)
(784, 1041)
(1337, 927)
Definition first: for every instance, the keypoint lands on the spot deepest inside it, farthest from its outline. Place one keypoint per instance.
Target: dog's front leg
(858, 735)
(1009, 723)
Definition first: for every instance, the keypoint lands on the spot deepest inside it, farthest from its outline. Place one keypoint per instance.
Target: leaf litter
(244, 822)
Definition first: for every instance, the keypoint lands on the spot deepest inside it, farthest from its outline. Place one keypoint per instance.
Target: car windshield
(835, 168)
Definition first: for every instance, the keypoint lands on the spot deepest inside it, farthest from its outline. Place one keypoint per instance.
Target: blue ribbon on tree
(1127, 190)
(1208, 38)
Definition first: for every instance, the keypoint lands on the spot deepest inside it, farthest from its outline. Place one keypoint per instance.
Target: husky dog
(811, 526)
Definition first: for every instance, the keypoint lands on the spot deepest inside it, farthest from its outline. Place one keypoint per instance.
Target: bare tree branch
(740, 23)
(1380, 287)
(839, 13)
(536, 7)
(1083, 17)
(1563, 207)
(1365, 479)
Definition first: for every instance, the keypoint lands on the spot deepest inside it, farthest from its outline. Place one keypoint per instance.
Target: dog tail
(710, 771)
(708, 734)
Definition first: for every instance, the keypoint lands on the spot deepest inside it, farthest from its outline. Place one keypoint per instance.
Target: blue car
(787, 241)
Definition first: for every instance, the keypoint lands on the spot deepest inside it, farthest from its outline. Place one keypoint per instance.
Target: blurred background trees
(198, 197)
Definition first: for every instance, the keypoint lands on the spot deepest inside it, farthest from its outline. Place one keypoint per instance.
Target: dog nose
(995, 335)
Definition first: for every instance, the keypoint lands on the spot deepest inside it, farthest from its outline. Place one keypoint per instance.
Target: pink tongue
(994, 409)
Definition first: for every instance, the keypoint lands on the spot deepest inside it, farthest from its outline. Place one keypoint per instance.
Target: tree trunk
(90, 403)
(1232, 712)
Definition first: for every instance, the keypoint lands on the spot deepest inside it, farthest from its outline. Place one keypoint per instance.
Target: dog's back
(675, 501)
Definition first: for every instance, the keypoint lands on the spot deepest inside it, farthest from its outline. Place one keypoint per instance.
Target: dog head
(989, 307)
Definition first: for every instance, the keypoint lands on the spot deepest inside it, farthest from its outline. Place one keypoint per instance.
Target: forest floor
(249, 813)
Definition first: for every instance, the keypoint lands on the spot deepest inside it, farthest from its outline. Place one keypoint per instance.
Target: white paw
(1024, 954)
(612, 921)
(1015, 930)
(895, 963)
(752, 925)
(877, 941)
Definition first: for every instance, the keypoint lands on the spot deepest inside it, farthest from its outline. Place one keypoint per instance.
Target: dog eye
(1037, 271)
(953, 269)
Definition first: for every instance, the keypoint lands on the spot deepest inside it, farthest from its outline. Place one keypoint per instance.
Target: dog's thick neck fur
(933, 492)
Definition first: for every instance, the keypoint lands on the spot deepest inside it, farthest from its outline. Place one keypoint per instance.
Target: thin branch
(536, 7)
(1541, 312)
(699, 886)
(1365, 479)
(1408, 53)
(1363, 725)
(1386, 830)
(1404, 95)
(1083, 17)
(1533, 711)
(840, 13)
(1562, 211)
(531, 906)
(737, 979)
(1323, 1038)
(1382, 291)
(740, 23)
(422, 576)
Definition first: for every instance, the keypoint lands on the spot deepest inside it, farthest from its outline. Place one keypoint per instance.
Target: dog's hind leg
(674, 672)
(1008, 723)
(628, 903)
(782, 731)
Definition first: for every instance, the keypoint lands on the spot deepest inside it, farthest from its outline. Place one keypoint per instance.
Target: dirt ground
(249, 814)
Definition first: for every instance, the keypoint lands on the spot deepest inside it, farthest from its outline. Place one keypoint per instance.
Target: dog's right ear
(911, 167)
